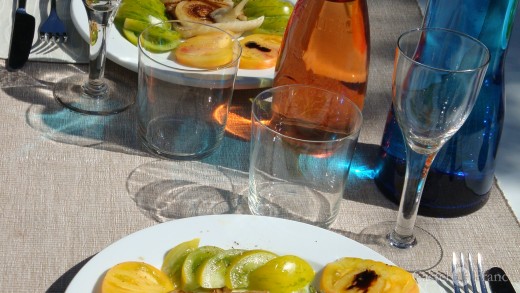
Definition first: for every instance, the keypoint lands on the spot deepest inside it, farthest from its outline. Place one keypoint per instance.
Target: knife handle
(498, 281)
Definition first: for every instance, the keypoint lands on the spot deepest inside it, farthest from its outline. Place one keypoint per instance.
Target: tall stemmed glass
(437, 76)
(95, 94)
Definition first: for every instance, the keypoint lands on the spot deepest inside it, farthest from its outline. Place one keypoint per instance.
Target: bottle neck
(21, 4)
(490, 21)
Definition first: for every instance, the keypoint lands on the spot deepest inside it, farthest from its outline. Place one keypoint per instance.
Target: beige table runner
(73, 184)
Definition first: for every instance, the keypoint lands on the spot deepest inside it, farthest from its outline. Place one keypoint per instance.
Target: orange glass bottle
(327, 44)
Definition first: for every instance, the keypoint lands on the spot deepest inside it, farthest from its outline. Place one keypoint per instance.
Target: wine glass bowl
(436, 85)
(93, 94)
(437, 76)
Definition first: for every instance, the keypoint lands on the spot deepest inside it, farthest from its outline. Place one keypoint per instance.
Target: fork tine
(44, 37)
(463, 272)
(471, 273)
(53, 28)
(454, 273)
(482, 281)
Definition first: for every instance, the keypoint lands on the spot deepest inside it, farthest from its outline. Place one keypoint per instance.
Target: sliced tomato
(282, 274)
(350, 274)
(191, 264)
(172, 264)
(131, 36)
(212, 273)
(132, 276)
(260, 51)
(205, 51)
(237, 273)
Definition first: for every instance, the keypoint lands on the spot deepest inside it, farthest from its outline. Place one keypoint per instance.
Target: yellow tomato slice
(260, 51)
(205, 51)
(362, 275)
(128, 277)
(283, 274)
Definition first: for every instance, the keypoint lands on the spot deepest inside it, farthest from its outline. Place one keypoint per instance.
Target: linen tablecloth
(73, 184)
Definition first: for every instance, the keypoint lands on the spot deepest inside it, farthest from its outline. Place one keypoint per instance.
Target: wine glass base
(424, 253)
(109, 97)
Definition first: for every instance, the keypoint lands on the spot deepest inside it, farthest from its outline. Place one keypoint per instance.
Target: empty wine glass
(437, 76)
(95, 94)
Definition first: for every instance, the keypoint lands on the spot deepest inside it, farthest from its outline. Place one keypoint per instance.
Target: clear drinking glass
(95, 94)
(437, 76)
(302, 143)
(182, 108)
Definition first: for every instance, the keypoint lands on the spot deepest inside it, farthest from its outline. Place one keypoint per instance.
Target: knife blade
(498, 281)
(21, 37)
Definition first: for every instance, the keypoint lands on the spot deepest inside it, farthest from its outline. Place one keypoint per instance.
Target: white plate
(124, 53)
(316, 245)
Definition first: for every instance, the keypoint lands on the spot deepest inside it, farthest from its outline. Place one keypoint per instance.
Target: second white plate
(125, 53)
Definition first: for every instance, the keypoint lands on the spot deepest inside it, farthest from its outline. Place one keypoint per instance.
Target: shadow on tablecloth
(61, 284)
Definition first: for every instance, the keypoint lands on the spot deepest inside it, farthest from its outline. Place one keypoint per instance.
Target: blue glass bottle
(463, 172)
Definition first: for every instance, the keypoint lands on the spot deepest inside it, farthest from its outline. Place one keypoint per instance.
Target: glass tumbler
(183, 107)
(300, 154)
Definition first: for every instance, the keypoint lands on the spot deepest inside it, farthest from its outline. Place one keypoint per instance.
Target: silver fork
(460, 269)
(53, 28)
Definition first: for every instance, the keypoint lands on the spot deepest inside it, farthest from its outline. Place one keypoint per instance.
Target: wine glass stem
(99, 21)
(417, 167)
(97, 54)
